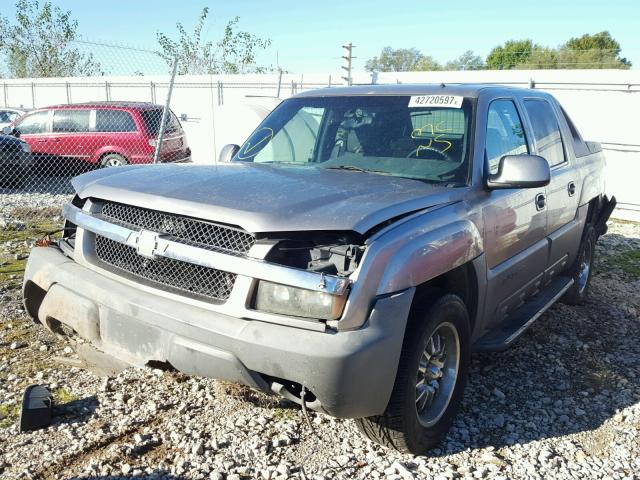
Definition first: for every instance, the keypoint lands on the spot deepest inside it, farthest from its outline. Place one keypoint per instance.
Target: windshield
(391, 135)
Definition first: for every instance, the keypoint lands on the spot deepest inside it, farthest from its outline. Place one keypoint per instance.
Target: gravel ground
(564, 402)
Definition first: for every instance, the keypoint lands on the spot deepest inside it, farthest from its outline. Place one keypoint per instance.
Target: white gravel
(564, 402)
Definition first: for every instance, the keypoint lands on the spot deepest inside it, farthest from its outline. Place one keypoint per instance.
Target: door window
(114, 121)
(505, 135)
(7, 116)
(546, 131)
(33, 123)
(70, 121)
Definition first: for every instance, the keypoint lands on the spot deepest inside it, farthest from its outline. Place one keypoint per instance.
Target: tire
(113, 160)
(401, 427)
(582, 270)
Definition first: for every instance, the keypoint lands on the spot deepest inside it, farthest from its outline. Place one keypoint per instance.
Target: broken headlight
(298, 302)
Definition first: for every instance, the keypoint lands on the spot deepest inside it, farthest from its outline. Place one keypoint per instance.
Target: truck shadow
(571, 372)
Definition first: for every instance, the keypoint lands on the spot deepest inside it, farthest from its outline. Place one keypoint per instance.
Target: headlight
(25, 147)
(298, 302)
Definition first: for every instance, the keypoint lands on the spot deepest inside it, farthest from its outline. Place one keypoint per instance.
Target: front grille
(166, 273)
(190, 231)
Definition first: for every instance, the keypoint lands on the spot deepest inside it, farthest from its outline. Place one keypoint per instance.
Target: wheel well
(460, 281)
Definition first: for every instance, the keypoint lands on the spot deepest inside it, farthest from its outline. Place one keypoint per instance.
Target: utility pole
(348, 57)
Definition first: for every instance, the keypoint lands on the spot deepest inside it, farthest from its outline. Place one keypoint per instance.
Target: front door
(515, 220)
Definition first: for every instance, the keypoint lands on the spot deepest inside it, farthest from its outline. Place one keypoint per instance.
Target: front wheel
(430, 380)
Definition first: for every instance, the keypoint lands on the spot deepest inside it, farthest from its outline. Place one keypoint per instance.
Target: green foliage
(401, 60)
(467, 61)
(40, 43)
(588, 51)
(511, 54)
(234, 53)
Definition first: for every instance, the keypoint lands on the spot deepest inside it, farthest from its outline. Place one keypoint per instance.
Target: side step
(522, 318)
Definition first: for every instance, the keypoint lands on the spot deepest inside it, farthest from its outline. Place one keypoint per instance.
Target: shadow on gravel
(74, 411)
(570, 373)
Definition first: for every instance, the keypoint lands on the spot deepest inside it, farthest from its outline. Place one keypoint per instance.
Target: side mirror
(520, 171)
(227, 152)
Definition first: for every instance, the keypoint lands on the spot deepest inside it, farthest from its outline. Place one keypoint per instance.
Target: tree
(592, 51)
(401, 60)
(588, 51)
(511, 54)
(234, 53)
(40, 43)
(467, 61)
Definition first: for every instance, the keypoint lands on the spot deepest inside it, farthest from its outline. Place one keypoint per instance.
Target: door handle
(541, 201)
(571, 188)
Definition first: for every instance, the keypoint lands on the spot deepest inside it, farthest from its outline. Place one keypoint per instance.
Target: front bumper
(351, 373)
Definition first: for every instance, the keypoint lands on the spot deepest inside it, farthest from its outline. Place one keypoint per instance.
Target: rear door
(515, 220)
(562, 191)
(69, 132)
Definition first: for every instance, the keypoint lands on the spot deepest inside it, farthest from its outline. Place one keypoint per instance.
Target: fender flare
(430, 255)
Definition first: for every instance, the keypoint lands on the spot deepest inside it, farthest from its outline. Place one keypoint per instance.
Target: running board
(521, 319)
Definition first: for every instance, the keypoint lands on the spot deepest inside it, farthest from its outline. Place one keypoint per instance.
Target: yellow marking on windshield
(248, 147)
(436, 133)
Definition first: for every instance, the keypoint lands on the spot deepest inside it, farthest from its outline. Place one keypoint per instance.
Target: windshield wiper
(357, 169)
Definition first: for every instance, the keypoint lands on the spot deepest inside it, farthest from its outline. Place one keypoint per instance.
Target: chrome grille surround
(187, 230)
(165, 273)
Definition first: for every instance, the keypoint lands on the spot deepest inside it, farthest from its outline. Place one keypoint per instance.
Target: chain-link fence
(60, 127)
(54, 129)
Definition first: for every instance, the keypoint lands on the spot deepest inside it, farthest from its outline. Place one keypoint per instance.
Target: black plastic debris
(37, 403)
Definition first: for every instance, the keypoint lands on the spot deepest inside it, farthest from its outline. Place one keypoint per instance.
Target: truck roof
(463, 89)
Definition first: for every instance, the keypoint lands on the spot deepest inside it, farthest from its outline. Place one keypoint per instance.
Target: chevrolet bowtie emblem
(147, 243)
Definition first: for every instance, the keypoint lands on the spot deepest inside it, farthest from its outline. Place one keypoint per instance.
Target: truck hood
(265, 198)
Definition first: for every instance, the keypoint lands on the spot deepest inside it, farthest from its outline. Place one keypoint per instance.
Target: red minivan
(106, 134)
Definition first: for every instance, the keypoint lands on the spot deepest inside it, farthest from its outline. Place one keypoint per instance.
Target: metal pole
(165, 113)
(33, 95)
(66, 84)
(279, 82)
(152, 86)
(6, 95)
(107, 91)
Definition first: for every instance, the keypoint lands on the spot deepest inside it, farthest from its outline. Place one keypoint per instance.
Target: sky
(307, 36)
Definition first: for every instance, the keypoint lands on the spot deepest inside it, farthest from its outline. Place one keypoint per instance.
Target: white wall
(604, 104)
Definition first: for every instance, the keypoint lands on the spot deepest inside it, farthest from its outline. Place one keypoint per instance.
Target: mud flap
(608, 205)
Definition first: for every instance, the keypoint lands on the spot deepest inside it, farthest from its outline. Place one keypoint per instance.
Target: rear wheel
(113, 160)
(430, 379)
(582, 269)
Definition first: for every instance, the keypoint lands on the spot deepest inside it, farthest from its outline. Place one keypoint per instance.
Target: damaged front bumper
(349, 373)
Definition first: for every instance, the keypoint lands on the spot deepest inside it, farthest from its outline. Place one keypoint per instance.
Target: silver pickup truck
(349, 256)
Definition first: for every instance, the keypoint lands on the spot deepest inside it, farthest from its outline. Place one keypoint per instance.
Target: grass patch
(62, 396)
(628, 262)
(8, 415)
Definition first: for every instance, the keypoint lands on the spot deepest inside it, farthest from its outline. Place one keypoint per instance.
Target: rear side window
(114, 121)
(546, 131)
(33, 123)
(505, 135)
(68, 121)
(152, 119)
(580, 148)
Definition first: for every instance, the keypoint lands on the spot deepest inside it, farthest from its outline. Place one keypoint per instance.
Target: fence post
(6, 94)
(33, 94)
(293, 87)
(220, 93)
(107, 91)
(66, 86)
(279, 82)
(152, 86)
(329, 85)
(165, 113)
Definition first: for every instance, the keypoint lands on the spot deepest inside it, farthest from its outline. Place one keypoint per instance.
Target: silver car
(349, 256)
